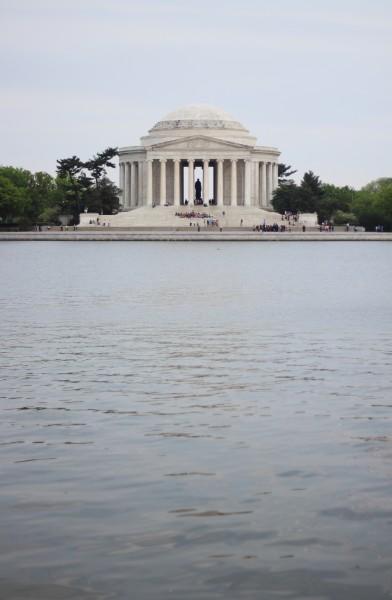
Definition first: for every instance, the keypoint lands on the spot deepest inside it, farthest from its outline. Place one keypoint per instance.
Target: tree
(75, 179)
(28, 199)
(335, 199)
(373, 204)
(305, 198)
(11, 201)
(69, 168)
(73, 182)
(49, 216)
(311, 193)
(21, 178)
(285, 172)
(286, 198)
(104, 198)
(383, 202)
(378, 185)
(21, 205)
(100, 162)
(342, 218)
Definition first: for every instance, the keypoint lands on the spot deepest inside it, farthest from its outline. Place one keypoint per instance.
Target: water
(201, 421)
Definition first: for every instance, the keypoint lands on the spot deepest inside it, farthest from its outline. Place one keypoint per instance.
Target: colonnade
(131, 183)
(249, 182)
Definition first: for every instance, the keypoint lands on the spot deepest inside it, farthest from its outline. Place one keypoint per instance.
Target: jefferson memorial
(196, 155)
(198, 136)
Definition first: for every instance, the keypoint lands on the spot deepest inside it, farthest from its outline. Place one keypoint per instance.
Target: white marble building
(161, 171)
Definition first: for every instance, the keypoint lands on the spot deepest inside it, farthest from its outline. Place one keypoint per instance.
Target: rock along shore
(191, 236)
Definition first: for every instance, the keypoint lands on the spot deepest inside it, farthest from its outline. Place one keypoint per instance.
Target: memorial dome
(201, 120)
(198, 116)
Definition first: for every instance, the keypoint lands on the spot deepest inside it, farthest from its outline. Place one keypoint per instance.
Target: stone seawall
(191, 236)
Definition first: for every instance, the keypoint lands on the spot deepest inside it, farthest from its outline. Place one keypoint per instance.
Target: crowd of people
(98, 222)
(290, 217)
(326, 226)
(193, 214)
(274, 227)
(210, 222)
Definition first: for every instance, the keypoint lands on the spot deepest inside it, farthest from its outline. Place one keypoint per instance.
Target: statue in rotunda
(198, 189)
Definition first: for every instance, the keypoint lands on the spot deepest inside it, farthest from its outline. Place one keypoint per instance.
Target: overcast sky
(312, 77)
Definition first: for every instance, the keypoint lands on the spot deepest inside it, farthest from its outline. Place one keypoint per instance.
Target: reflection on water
(195, 420)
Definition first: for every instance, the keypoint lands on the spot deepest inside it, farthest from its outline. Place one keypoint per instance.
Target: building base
(168, 216)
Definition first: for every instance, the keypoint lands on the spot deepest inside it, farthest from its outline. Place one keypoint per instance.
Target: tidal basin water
(195, 420)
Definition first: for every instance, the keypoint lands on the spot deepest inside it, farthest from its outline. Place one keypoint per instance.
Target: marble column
(269, 184)
(263, 185)
(276, 174)
(206, 181)
(191, 181)
(247, 183)
(132, 199)
(272, 181)
(233, 199)
(182, 183)
(140, 182)
(122, 177)
(149, 182)
(256, 176)
(163, 181)
(176, 162)
(220, 182)
(214, 192)
(126, 187)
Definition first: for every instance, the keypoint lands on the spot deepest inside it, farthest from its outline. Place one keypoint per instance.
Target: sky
(311, 77)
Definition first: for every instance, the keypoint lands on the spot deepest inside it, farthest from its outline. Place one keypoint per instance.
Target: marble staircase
(165, 217)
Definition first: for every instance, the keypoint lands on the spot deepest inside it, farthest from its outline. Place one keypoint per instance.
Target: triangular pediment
(200, 142)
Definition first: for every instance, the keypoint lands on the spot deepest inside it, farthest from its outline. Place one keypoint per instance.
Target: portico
(234, 171)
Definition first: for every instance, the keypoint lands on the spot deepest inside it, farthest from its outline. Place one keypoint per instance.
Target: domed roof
(198, 116)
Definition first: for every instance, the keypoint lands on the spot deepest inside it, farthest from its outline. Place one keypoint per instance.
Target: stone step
(165, 216)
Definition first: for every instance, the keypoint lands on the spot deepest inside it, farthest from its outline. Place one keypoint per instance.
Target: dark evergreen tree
(69, 167)
(99, 164)
(103, 199)
(285, 172)
(286, 198)
(311, 193)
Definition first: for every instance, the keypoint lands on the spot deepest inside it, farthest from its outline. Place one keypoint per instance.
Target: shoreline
(191, 236)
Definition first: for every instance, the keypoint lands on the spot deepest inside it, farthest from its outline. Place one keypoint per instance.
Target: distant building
(242, 174)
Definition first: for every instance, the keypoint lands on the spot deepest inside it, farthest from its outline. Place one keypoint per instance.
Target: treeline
(28, 199)
(369, 207)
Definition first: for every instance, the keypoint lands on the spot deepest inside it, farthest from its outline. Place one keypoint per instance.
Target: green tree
(75, 180)
(69, 168)
(49, 216)
(21, 207)
(287, 197)
(311, 193)
(307, 197)
(383, 202)
(71, 195)
(334, 199)
(342, 218)
(285, 172)
(103, 198)
(21, 178)
(73, 183)
(372, 205)
(99, 164)
(12, 201)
